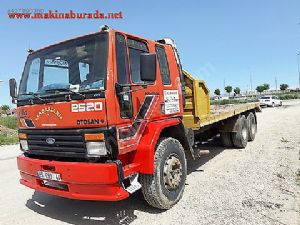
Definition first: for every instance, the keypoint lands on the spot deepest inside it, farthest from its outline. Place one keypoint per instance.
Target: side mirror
(148, 67)
(13, 88)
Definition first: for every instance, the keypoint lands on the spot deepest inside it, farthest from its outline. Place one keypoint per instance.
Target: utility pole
(276, 83)
(251, 81)
(1, 81)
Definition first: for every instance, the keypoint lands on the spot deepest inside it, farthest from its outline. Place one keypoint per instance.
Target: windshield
(79, 65)
(265, 97)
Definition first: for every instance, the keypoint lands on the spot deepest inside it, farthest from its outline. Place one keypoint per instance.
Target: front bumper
(264, 104)
(84, 181)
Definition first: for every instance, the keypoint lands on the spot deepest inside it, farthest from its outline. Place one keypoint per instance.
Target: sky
(224, 40)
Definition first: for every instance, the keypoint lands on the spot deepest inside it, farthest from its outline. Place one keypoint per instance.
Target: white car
(270, 101)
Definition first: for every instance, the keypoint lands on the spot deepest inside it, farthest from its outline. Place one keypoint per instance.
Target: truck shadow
(214, 146)
(89, 212)
(93, 212)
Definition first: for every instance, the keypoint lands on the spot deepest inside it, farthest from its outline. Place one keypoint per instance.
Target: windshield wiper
(36, 96)
(65, 91)
(92, 90)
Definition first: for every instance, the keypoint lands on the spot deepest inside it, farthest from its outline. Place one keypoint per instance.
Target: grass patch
(232, 101)
(9, 122)
(6, 139)
(288, 96)
(8, 136)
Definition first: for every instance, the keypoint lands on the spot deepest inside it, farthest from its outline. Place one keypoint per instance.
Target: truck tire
(252, 126)
(165, 187)
(240, 137)
(226, 139)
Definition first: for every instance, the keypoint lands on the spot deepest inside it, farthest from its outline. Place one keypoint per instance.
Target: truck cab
(90, 111)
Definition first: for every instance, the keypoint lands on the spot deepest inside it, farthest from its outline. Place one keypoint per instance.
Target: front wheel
(165, 187)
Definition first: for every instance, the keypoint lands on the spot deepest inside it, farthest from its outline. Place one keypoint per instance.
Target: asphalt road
(230, 186)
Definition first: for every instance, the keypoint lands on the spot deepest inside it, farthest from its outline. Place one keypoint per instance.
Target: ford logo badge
(50, 141)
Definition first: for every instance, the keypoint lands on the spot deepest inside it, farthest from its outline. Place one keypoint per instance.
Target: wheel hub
(172, 172)
(244, 133)
(253, 126)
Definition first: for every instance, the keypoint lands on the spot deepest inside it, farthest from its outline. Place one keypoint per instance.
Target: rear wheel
(240, 137)
(252, 126)
(226, 139)
(165, 187)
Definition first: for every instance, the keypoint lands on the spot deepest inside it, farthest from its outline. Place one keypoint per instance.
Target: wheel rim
(253, 126)
(244, 133)
(172, 172)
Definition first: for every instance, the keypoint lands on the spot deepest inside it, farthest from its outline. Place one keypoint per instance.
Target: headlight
(96, 149)
(24, 145)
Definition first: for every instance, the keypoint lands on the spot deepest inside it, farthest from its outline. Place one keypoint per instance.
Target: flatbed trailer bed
(198, 112)
(219, 113)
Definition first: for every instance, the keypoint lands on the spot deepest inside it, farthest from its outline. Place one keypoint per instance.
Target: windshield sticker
(56, 62)
(48, 110)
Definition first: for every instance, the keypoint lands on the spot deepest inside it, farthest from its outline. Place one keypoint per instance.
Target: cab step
(134, 185)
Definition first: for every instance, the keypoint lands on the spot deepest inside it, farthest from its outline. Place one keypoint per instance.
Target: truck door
(123, 80)
(134, 104)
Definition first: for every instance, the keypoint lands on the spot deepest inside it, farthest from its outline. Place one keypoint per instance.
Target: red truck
(105, 114)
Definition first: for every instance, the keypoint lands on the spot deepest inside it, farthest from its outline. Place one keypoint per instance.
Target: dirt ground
(256, 185)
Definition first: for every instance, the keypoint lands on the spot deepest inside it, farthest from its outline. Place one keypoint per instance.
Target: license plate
(49, 175)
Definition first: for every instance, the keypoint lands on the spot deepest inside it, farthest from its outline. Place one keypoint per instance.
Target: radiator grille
(67, 143)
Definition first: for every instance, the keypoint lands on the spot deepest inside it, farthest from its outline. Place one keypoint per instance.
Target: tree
(217, 92)
(266, 86)
(237, 90)
(263, 87)
(283, 87)
(228, 89)
(260, 88)
(5, 107)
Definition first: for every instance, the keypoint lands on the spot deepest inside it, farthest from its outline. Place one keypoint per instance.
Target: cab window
(136, 48)
(163, 64)
(122, 63)
(33, 77)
